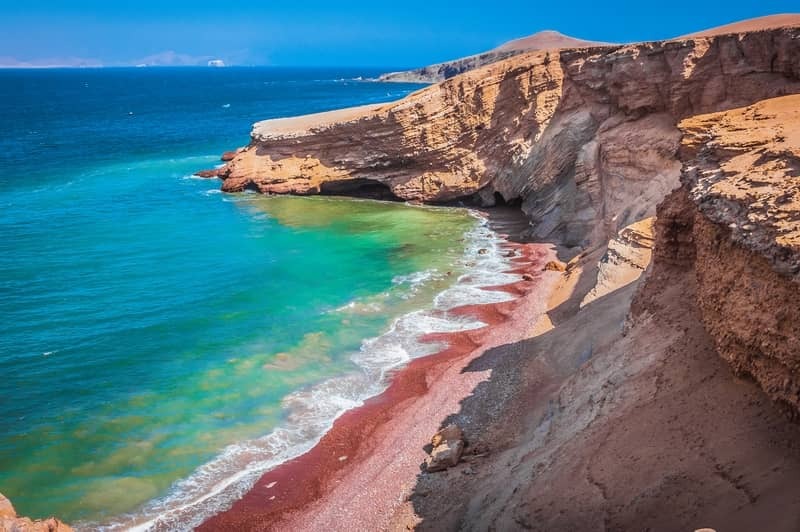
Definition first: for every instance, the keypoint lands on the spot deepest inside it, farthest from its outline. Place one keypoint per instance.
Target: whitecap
(360, 307)
(214, 486)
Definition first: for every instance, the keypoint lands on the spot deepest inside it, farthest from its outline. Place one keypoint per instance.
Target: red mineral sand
(361, 470)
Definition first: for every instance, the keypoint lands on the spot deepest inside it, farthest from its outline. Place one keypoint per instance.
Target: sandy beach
(375, 452)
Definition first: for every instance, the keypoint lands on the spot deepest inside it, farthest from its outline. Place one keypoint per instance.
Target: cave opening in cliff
(500, 201)
(360, 187)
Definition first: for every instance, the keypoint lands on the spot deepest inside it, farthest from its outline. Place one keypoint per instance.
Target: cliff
(624, 412)
(645, 397)
(543, 40)
(552, 40)
(742, 178)
(586, 140)
(10, 522)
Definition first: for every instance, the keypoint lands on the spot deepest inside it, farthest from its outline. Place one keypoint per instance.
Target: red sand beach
(367, 464)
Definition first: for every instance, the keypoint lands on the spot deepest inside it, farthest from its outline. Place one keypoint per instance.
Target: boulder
(214, 172)
(448, 444)
(9, 522)
(450, 432)
(6, 508)
(24, 524)
(446, 454)
(555, 266)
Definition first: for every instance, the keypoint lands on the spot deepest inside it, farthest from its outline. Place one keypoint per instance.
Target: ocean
(163, 344)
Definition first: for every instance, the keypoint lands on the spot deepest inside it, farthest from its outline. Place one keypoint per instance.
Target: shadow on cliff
(519, 391)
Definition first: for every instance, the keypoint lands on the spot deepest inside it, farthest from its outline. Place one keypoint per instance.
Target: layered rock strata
(11, 522)
(737, 219)
(543, 40)
(622, 415)
(586, 140)
(617, 412)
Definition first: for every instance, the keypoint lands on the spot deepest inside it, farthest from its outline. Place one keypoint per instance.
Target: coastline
(642, 385)
(377, 448)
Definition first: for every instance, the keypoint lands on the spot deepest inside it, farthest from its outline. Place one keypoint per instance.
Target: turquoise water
(161, 344)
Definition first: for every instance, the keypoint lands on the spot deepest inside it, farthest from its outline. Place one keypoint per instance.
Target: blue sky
(332, 33)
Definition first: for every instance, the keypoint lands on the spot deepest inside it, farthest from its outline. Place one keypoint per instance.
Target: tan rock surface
(543, 40)
(622, 416)
(585, 139)
(6, 508)
(742, 179)
(743, 170)
(450, 432)
(754, 24)
(445, 455)
(9, 522)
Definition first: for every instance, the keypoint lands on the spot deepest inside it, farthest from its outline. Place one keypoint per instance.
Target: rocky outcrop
(9, 522)
(736, 222)
(442, 71)
(553, 40)
(622, 415)
(543, 40)
(616, 412)
(586, 140)
(743, 172)
(448, 445)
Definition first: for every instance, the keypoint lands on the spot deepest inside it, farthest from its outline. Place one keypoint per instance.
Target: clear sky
(331, 32)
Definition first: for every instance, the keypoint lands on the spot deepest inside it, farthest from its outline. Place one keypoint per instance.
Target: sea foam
(214, 486)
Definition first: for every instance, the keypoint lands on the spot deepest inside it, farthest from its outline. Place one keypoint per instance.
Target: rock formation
(624, 413)
(742, 180)
(586, 140)
(9, 522)
(448, 444)
(553, 40)
(619, 410)
(543, 40)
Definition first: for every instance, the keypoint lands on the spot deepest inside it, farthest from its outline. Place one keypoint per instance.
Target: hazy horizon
(90, 33)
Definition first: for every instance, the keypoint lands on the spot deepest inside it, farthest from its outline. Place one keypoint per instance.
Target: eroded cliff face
(10, 522)
(543, 40)
(736, 223)
(585, 139)
(619, 410)
(624, 413)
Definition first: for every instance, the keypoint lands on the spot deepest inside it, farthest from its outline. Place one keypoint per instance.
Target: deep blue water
(59, 119)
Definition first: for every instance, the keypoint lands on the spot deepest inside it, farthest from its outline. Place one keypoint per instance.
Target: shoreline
(419, 396)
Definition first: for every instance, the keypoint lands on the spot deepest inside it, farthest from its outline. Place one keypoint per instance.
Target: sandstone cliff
(586, 140)
(742, 179)
(622, 414)
(543, 40)
(10, 522)
(620, 410)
